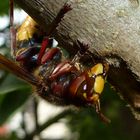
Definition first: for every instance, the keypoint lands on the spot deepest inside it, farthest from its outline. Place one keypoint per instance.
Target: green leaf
(13, 94)
(12, 83)
(11, 102)
(4, 7)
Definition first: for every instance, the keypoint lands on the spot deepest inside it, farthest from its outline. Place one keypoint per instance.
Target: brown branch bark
(112, 28)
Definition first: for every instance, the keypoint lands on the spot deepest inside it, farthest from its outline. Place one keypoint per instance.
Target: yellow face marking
(85, 95)
(99, 84)
(97, 69)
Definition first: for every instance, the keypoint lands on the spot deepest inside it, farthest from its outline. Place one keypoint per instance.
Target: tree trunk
(110, 27)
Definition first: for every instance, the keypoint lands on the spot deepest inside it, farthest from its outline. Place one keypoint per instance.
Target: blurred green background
(82, 123)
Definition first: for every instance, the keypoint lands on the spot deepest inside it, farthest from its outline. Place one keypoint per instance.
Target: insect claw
(58, 18)
(101, 115)
(67, 7)
(82, 50)
(82, 46)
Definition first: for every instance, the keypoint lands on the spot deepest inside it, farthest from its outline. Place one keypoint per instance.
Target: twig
(35, 106)
(24, 123)
(49, 122)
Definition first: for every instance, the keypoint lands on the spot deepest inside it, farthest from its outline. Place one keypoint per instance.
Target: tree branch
(112, 28)
(49, 122)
